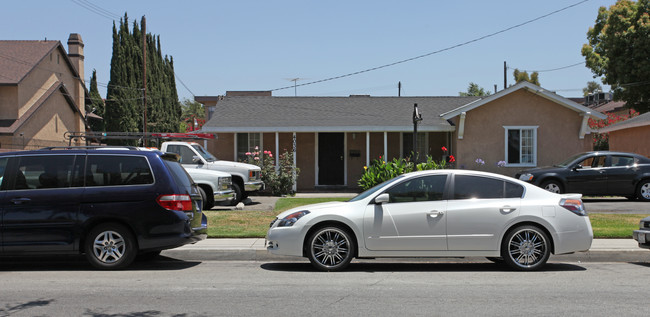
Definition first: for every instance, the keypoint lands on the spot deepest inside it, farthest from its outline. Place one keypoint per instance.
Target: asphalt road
(170, 287)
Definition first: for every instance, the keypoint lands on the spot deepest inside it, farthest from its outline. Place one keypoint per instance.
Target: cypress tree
(96, 104)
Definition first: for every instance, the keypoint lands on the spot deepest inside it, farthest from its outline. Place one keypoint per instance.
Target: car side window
(479, 187)
(44, 171)
(593, 161)
(622, 161)
(112, 170)
(3, 167)
(427, 188)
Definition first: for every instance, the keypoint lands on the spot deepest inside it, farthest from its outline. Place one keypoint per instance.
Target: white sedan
(437, 213)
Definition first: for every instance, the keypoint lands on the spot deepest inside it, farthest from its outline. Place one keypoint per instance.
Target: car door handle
(508, 209)
(20, 201)
(435, 213)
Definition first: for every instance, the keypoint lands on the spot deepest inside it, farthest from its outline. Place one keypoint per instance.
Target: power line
(548, 70)
(96, 9)
(438, 51)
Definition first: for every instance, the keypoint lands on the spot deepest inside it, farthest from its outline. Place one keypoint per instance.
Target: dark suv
(111, 204)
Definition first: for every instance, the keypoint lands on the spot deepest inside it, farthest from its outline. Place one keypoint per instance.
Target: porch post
(293, 170)
(385, 144)
(277, 150)
(367, 148)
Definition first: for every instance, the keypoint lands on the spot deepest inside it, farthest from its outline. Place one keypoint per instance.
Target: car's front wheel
(643, 190)
(208, 202)
(552, 186)
(110, 246)
(330, 248)
(526, 248)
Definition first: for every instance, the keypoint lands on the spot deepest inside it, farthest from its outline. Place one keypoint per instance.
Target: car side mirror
(383, 198)
(577, 167)
(196, 159)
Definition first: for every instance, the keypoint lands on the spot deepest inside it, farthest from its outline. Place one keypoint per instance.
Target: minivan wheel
(526, 248)
(330, 249)
(110, 246)
(643, 190)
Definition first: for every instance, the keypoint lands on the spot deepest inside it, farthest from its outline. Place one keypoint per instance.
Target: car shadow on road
(79, 263)
(646, 264)
(372, 267)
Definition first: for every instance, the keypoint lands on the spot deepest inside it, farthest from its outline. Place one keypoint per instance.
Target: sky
(434, 48)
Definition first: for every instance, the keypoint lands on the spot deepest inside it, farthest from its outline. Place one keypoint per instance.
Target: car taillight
(175, 202)
(574, 205)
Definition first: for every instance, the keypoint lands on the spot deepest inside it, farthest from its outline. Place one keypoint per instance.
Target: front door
(330, 159)
(412, 220)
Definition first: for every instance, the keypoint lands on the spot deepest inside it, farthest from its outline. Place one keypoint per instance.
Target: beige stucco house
(333, 138)
(42, 92)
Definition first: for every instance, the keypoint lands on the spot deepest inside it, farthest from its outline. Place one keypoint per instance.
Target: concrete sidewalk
(602, 250)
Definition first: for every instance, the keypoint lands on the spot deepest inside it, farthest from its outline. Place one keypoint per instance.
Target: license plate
(641, 238)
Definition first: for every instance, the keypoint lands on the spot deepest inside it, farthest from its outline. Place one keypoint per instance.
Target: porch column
(385, 144)
(277, 150)
(293, 170)
(367, 148)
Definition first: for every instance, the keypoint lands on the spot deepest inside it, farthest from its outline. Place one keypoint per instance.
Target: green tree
(618, 49)
(591, 88)
(96, 105)
(474, 90)
(523, 76)
(125, 95)
(191, 111)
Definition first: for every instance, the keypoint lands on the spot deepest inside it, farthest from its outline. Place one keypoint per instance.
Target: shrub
(380, 171)
(277, 181)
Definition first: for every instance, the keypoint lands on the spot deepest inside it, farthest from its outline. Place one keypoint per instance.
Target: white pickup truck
(246, 178)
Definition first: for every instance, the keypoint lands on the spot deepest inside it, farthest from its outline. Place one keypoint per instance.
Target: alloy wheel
(331, 249)
(109, 247)
(527, 248)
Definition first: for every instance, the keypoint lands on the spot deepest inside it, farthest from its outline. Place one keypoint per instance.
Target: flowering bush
(380, 170)
(601, 140)
(278, 181)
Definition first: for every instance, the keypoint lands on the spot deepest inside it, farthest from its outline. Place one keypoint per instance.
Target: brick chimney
(76, 56)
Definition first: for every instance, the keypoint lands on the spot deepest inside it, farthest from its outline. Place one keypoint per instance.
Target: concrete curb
(602, 250)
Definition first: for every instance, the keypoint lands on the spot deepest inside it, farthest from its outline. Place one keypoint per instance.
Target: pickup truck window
(186, 154)
(206, 155)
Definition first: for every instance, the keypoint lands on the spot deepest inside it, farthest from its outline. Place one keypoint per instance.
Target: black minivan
(110, 204)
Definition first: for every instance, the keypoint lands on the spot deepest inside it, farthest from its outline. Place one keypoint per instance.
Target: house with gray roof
(42, 92)
(333, 138)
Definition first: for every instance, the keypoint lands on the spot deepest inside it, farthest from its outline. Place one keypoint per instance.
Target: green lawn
(254, 224)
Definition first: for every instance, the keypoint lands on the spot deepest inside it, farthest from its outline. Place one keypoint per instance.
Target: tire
(643, 190)
(110, 246)
(552, 186)
(330, 249)
(526, 248)
(239, 194)
(208, 202)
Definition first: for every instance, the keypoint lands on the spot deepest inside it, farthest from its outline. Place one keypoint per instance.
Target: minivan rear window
(180, 175)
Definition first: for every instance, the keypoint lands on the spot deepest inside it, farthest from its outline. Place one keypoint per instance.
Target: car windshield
(568, 161)
(206, 155)
(372, 190)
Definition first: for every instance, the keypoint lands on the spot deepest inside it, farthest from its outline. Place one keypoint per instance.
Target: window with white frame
(407, 144)
(521, 145)
(246, 143)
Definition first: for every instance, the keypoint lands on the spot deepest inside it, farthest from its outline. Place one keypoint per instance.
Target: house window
(521, 146)
(407, 144)
(246, 142)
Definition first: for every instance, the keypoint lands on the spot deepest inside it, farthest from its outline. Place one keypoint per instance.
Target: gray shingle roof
(330, 114)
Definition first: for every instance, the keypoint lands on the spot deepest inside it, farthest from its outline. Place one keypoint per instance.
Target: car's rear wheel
(110, 246)
(552, 186)
(643, 190)
(526, 248)
(330, 248)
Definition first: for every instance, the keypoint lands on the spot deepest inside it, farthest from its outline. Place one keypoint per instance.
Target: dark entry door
(330, 159)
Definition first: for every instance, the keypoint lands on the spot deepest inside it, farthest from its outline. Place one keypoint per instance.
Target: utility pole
(399, 89)
(417, 117)
(505, 75)
(144, 72)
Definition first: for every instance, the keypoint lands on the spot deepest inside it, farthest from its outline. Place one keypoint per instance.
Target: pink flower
(257, 147)
(257, 158)
(248, 153)
(270, 155)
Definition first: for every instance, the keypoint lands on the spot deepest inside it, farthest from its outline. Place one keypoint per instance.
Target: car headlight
(526, 177)
(290, 219)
